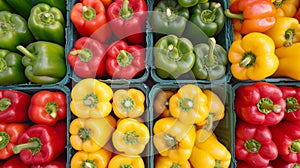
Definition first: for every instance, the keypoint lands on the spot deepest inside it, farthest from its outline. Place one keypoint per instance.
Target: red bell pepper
(254, 15)
(41, 143)
(286, 136)
(89, 19)
(125, 61)
(87, 58)
(259, 103)
(48, 107)
(127, 20)
(242, 164)
(297, 16)
(13, 106)
(60, 162)
(280, 163)
(292, 99)
(106, 3)
(14, 162)
(9, 135)
(254, 144)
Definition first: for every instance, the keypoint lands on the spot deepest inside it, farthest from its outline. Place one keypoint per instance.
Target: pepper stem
(265, 105)
(233, 15)
(88, 13)
(175, 165)
(25, 52)
(171, 142)
(46, 17)
(295, 147)
(248, 59)
(185, 104)
(212, 44)
(252, 145)
(84, 134)
(124, 58)
(51, 109)
(128, 104)
(291, 104)
(34, 145)
(278, 3)
(3, 64)
(4, 139)
(4, 103)
(125, 12)
(168, 12)
(85, 55)
(90, 100)
(88, 164)
(296, 165)
(126, 166)
(209, 15)
(131, 137)
(289, 35)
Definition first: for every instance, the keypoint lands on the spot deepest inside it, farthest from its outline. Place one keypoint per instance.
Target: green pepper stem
(168, 12)
(85, 55)
(252, 146)
(124, 58)
(126, 166)
(212, 44)
(51, 108)
(25, 52)
(3, 64)
(278, 3)
(175, 165)
(233, 15)
(84, 134)
(46, 17)
(171, 142)
(88, 164)
(131, 137)
(4, 103)
(209, 15)
(88, 13)
(289, 36)
(125, 12)
(295, 147)
(265, 105)
(4, 139)
(296, 165)
(30, 145)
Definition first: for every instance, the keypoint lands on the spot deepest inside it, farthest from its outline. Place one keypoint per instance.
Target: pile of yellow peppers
(183, 132)
(97, 137)
(273, 53)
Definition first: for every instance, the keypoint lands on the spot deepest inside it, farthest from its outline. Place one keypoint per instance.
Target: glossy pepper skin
(173, 56)
(254, 15)
(280, 163)
(166, 162)
(168, 17)
(22, 8)
(48, 107)
(14, 162)
(286, 8)
(59, 162)
(124, 60)
(89, 19)
(4, 6)
(11, 68)
(254, 144)
(291, 96)
(253, 61)
(285, 32)
(87, 58)
(9, 135)
(174, 139)
(120, 160)
(261, 103)
(41, 143)
(60, 4)
(127, 19)
(190, 3)
(161, 103)
(47, 24)
(14, 31)
(44, 62)
(91, 98)
(286, 136)
(242, 164)
(91, 134)
(297, 16)
(211, 60)
(13, 106)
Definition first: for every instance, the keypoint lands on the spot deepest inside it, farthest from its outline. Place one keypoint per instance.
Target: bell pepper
(261, 103)
(168, 17)
(161, 103)
(127, 20)
(285, 32)
(291, 96)
(91, 98)
(21, 8)
(106, 3)
(189, 104)
(297, 16)
(13, 106)
(211, 60)
(173, 138)
(242, 164)
(131, 161)
(87, 58)
(44, 62)
(209, 153)
(166, 162)
(11, 68)
(286, 136)
(95, 159)
(131, 137)
(254, 144)
(208, 17)
(91, 134)
(190, 3)
(286, 7)
(47, 107)
(124, 60)
(61, 4)
(9, 135)
(253, 57)
(14, 31)
(41, 143)
(173, 56)
(59, 162)
(289, 60)
(254, 15)
(14, 162)
(89, 19)
(4, 6)
(280, 163)
(47, 24)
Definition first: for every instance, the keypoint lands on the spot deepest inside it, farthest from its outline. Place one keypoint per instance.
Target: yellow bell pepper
(96, 159)
(125, 161)
(285, 32)
(91, 134)
(289, 61)
(174, 139)
(161, 103)
(286, 7)
(189, 104)
(166, 162)
(253, 57)
(128, 103)
(91, 98)
(209, 153)
(131, 136)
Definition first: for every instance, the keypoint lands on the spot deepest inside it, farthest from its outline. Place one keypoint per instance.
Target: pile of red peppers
(33, 128)
(268, 125)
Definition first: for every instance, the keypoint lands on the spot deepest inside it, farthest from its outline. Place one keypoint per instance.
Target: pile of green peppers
(32, 41)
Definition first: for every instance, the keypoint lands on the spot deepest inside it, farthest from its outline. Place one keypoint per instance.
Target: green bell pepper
(22, 7)
(60, 4)
(4, 6)
(47, 24)
(211, 60)
(11, 68)
(190, 3)
(173, 56)
(13, 31)
(168, 17)
(44, 62)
